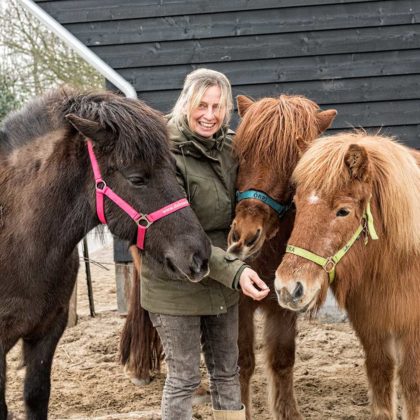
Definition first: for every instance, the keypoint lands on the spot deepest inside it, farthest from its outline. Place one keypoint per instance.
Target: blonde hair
(195, 85)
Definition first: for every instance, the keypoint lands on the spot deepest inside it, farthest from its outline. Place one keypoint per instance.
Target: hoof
(140, 381)
(136, 381)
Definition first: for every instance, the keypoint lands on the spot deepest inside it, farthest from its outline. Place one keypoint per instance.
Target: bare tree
(36, 58)
(8, 99)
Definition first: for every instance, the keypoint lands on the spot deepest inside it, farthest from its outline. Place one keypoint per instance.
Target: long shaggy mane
(271, 128)
(395, 179)
(139, 131)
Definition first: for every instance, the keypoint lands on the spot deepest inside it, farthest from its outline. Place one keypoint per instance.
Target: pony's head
(271, 137)
(350, 188)
(131, 146)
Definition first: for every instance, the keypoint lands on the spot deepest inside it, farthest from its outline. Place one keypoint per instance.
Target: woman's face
(207, 118)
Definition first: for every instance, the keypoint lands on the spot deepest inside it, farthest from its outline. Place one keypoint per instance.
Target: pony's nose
(253, 239)
(198, 265)
(171, 264)
(233, 252)
(298, 292)
(288, 297)
(234, 235)
(284, 295)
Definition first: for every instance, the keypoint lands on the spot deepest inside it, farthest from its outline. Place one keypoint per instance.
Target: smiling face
(207, 117)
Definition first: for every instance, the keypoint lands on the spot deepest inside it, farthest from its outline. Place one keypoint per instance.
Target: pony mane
(139, 131)
(395, 179)
(21, 126)
(271, 128)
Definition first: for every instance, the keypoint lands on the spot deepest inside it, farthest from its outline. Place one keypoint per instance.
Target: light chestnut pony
(377, 282)
(270, 138)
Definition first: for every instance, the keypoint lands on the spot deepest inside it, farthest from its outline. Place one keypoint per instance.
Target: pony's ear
(325, 119)
(243, 103)
(357, 162)
(90, 129)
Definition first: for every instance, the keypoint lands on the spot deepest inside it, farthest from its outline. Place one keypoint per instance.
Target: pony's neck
(50, 204)
(372, 272)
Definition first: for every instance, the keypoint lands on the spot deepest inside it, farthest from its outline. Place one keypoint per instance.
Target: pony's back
(30, 122)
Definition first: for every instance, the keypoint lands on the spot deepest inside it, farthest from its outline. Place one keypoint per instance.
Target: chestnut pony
(358, 230)
(269, 141)
(48, 202)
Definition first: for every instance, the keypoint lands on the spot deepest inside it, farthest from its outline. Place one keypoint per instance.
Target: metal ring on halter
(100, 185)
(329, 265)
(143, 221)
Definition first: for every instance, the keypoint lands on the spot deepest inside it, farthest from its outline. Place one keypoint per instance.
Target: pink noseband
(143, 221)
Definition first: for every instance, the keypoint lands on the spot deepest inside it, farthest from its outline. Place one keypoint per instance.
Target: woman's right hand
(249, 278)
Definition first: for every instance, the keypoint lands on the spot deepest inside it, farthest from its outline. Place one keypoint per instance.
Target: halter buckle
(143, 221)
(100, 185)
(329, 265)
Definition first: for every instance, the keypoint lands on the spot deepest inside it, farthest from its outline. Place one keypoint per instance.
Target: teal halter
(279, 208)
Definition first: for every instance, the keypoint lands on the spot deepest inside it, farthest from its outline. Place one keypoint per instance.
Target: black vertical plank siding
(361, 57)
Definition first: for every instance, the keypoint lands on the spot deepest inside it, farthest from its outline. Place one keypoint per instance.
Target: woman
(194, 316)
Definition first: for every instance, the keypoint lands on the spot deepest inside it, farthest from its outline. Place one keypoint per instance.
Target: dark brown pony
(271, 137)
(361, 194)
(47, 203)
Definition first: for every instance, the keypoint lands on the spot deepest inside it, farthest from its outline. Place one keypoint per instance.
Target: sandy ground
(88, 382)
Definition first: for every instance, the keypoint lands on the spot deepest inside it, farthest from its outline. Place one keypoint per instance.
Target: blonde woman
(191, 317)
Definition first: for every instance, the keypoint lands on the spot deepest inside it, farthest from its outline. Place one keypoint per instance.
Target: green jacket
(206, 169)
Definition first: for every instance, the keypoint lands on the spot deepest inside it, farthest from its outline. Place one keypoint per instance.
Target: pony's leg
(380, 368)
(409, 374)
(279, 338)
(5, 346)
(246, 351)
(38, 355)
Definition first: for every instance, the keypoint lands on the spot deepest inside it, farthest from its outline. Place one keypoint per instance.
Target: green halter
(328, 264)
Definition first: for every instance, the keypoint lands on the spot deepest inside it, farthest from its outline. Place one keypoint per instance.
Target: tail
(140, 346)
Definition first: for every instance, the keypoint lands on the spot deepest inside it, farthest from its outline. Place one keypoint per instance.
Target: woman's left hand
(249, 278)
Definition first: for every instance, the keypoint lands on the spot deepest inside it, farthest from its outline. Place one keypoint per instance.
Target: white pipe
(108, 72)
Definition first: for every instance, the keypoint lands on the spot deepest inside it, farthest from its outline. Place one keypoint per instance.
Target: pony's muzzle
(198, 265)
(295, 295)
(291, 298)
(196, 270)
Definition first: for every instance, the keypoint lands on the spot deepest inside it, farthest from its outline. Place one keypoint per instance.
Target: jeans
(182, 338)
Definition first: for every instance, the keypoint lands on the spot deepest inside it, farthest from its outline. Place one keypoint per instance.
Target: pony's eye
(137, 181)
(342, 212)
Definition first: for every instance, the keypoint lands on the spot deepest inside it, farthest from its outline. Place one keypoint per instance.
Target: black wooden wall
(361, 57)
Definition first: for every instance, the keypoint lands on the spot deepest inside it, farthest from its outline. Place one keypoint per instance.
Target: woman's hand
(249, 278)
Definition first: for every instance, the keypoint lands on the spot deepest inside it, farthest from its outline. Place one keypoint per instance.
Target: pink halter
(143, 221)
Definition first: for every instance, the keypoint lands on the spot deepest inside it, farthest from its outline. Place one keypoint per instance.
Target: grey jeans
(183, 337)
